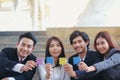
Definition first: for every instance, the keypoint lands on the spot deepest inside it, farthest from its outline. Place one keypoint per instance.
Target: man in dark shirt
(80, 43)
(19, 63)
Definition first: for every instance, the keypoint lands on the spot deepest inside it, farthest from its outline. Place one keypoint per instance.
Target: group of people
(103, 63)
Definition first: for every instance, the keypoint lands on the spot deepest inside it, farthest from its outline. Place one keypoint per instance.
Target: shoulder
(113, 51)
(92, 53)
(71, 57)
(95, 56)
(32, 57)
(9, 49)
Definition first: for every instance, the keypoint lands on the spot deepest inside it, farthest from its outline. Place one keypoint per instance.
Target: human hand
(83, 66)
(69, 69)
(5, 79)
(31, 64)
(25, 68)
(48, 68)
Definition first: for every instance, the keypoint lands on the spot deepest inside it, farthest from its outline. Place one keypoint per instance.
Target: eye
(58, 45)
(23, 44)
(29, 46)
(51, 45)
(74, 42)
(97, 44)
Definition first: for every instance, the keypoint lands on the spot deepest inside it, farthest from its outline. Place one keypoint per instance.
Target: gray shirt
(58, 73)
(110, 60)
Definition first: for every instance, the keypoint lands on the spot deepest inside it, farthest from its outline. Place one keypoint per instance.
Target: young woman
(55, 49)
(110, 66)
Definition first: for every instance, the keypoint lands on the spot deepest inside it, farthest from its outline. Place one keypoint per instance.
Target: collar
(19, 58)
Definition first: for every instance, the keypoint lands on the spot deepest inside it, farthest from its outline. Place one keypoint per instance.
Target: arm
(100, 66)
(11, 65)
(5, 61)
(84, 75)
(22, 76)
(108, 63)
(7, 64)
(78, 74)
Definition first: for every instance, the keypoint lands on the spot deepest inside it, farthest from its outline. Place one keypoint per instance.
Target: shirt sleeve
(108, 63)
(11, 78)
(17, 68)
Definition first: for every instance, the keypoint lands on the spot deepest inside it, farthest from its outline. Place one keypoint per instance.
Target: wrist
(47, 76)
(74, 74)
(91, 68)
(22, 68)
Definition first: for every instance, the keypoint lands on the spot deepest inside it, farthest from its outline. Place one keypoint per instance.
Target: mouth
(24, 52)
(78, 48)
(55, 53)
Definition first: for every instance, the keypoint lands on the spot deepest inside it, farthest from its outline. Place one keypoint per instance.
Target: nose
(77, 44)
(25, 48)
(55, 47)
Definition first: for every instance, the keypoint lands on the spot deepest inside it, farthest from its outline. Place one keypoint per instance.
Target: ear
(33, 48)
(17, 43)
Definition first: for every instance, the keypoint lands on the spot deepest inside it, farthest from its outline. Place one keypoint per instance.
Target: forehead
(77, 38)
(54, 41)
(26, 41)
(100, 39)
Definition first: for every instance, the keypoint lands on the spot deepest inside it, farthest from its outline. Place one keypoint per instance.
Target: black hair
(77, 33)
(28, 35)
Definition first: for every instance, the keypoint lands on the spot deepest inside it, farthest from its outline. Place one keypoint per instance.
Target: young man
(18, 63)
(80, 43)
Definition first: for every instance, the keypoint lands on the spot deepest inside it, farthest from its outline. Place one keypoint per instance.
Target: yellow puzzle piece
(62, 61)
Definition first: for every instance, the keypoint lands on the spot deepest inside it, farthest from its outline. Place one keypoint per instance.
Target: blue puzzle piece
(50, 60)
(76, 60)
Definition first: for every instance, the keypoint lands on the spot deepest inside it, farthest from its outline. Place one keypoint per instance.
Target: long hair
(108, 37)
(47, 52)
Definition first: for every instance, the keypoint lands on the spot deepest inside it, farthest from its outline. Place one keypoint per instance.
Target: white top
(58, 73)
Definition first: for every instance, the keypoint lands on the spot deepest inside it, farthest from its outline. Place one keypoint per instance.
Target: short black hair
(28, 35)
(76, 33)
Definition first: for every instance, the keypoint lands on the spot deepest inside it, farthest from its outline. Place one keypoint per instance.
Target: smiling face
(55, 49)
(79, 45)
(25, 47)
(102, 45)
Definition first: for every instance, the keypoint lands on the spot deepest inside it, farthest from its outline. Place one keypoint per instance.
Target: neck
(82, 55)
(55, 60)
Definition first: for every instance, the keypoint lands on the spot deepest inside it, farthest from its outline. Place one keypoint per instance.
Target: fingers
(5, 79)
(31, 64)
(26, 68)
(81, 62)
(49, 69)
(82, 66)
(68, 67)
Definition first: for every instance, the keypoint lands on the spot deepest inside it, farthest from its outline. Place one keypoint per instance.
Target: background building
(38, 15)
